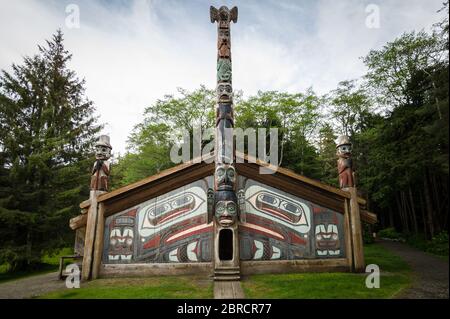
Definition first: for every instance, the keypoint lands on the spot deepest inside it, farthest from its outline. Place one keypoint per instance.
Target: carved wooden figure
(100, 171)
(344, 163)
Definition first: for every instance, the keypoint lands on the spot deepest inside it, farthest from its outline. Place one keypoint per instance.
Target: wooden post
(89, 238)
(356, 231)
(348, 235)
(98, 245)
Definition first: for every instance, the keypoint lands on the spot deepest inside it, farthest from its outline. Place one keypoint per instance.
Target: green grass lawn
(164, 287)
(49, 263)
(395, 275)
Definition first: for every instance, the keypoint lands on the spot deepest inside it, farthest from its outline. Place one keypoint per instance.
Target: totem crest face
(224, 70)
(226, 213)
(121, 239)
(223, 15)
(225, 208)
(223, 43)
(344, 150)
(224, 92)
(225, 177)
(102, 152)
(327, 240)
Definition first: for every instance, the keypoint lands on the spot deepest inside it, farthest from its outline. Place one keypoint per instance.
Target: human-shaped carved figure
(224, 92)
(344, 163)
(223, 44)
(225, 177)
(226, 210)
(100, 171)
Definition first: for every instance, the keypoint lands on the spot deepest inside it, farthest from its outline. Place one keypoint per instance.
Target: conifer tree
(47, 129)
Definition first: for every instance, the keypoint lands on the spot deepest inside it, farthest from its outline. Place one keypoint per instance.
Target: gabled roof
(247, 166)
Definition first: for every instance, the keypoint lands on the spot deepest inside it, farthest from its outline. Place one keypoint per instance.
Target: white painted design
(283, 200)
(276, 253)
(194, 198)
(259, 249)
(191, 254)
(173, 255)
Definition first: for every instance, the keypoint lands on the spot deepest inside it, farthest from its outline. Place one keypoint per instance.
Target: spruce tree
(47, 129)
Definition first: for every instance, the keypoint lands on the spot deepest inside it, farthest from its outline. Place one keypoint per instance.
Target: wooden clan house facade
(220, 216)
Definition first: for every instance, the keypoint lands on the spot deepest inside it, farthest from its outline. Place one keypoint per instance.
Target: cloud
(133, 52)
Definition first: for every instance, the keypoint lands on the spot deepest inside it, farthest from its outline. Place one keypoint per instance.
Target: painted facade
(177, 228)
(170, 228)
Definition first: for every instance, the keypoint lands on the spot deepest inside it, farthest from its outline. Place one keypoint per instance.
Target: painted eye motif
(334, 236)
(129, 242)
(230, 173)
(220, 208)
(113, 241)
(268, 199)
(231, 207)
(318, 237)
(220, 172)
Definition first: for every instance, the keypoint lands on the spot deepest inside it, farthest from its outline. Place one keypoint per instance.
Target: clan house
(221, 218)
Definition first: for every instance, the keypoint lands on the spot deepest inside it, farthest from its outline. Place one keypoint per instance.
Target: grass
(164, 287)
(395, 276)
(49, 263)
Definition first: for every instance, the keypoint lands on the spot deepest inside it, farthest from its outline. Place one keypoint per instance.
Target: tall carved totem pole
(225, 207)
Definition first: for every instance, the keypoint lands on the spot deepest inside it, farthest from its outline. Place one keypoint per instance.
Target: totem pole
(100, 171)
(345, 166)
(225, 219)
(93, 243)
(347, 183)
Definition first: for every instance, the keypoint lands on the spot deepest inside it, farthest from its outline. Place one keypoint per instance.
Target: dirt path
(31, 287)
(431, 273)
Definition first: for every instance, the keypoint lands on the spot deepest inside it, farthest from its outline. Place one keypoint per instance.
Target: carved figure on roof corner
(101, 170)
(344, 163)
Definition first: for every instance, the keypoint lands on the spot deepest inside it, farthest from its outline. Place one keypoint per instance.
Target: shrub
(390, 233)
(439, 244)
(367, 234)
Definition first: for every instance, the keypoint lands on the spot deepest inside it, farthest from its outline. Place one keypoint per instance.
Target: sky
(132, 53)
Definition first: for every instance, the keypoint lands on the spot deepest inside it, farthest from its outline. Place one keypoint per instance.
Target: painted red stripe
(173, 215)
(189, 234)
(277, 213)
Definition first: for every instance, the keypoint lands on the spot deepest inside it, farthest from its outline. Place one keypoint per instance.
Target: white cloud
(132, 53)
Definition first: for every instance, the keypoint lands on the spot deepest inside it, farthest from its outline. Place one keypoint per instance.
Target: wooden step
(227, 278)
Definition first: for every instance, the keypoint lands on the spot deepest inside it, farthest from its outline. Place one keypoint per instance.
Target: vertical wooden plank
(98, 245)
(348, 235)
(89, 237)
(357, 241)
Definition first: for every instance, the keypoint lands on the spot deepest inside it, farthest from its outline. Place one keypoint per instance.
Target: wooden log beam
(78, 221)
(91, 225)
(98, 245)
(356, 231)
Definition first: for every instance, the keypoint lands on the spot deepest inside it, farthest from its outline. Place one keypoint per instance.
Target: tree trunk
(401, 213)
(429, 206)
(413, 211)
(436, 199)
(406, 211)
(424, 218)
(391, 217)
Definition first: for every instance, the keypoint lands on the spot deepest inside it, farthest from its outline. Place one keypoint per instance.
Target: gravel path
(31, 287)
(431, 273)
